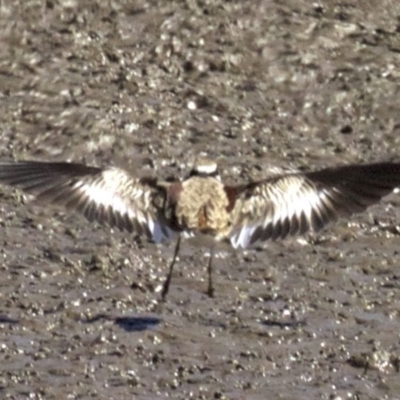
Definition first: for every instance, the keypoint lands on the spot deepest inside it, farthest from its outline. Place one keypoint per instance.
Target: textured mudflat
(148, 85)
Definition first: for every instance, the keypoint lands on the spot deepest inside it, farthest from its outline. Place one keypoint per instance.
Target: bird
(201, 206)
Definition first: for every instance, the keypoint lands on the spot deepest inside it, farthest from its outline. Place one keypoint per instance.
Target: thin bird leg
(171, 267)
(210, 290)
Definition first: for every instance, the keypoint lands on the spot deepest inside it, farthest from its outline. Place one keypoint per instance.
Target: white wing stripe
(106, 192)
(99, 195)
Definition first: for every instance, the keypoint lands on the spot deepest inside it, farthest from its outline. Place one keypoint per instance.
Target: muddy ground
(148, 85)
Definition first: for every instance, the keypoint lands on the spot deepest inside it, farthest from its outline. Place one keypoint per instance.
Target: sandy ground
(149, 85)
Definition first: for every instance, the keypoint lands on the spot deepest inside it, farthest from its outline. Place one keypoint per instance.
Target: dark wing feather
(294, 203)
(108, 195)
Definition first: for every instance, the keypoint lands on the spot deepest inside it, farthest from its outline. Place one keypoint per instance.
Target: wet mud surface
(148, 85)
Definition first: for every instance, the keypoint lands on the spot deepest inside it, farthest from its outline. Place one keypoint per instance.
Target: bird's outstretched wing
(296, 202)
(108, 195)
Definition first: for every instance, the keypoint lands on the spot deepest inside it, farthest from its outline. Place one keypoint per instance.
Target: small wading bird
(201, 206)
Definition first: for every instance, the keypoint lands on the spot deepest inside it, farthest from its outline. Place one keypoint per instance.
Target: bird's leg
(171, 267)
(210, 290)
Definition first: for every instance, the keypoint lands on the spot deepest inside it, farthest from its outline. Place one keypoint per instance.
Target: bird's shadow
(281, 324)
(8, 320)
(137, 324)
(129, 324)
